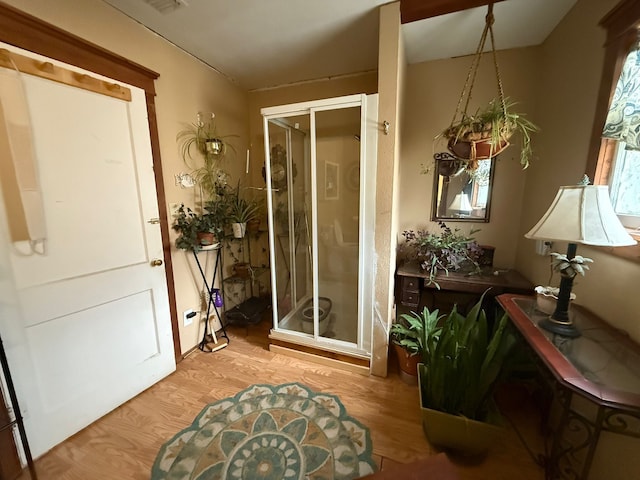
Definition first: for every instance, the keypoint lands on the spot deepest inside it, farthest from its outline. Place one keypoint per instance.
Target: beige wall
(185, 87)
(434, 89)
(570, 68)
(391, 84)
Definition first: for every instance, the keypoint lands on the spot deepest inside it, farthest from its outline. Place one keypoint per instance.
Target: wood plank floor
(124, 443)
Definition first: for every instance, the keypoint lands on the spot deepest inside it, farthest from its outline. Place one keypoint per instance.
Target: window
(623, 127)
(624, 185)
(614, 155)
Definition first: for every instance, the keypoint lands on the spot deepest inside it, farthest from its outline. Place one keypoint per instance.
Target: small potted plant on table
(449, 250)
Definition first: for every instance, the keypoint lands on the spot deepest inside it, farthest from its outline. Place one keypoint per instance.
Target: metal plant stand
(211, 303)
(17, 413)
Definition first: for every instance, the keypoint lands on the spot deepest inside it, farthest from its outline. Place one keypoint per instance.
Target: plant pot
(547, 297)
(213, 146)
(460, 434)
(206, 238)
(474, 150)
(253, 226)
(242, 270)
(408, 364)
(239, 229)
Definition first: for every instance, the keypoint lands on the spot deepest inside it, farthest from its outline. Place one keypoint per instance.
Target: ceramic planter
(408, 364)
(457, 433)
(239, 229)
(206, 238)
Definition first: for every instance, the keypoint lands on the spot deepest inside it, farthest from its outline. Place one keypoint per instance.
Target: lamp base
(566, 329)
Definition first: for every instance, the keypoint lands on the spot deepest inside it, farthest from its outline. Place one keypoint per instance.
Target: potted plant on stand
(457, 379)
(241, 211)
(196, 230)
(411, 336)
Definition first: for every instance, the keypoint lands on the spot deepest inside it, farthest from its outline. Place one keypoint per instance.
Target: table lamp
(578, 214)
(461, 204)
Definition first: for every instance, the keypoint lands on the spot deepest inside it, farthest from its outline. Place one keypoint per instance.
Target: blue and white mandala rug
(269, 433)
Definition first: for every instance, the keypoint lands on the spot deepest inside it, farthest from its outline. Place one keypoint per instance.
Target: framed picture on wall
(331, 181)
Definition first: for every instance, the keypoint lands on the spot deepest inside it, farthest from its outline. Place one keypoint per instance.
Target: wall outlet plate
(188, 316)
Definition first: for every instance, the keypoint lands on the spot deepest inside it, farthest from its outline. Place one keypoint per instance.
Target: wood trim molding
(414, 10)
(30, 33)
(26, 31)
(22, 63)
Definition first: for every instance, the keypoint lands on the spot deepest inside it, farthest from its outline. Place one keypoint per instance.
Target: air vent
(166, 6)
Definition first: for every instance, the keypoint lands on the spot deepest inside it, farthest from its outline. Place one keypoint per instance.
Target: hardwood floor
(124, 443)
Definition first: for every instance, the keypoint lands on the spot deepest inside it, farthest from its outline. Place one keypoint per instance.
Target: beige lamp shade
(461, 203)
(582, 214)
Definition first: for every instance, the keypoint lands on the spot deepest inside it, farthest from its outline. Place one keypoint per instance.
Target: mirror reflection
(459, 193)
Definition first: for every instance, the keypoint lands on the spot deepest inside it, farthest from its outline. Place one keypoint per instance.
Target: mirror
(459, 194)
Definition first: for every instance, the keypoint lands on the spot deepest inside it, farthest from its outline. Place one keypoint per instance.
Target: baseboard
(345, 363)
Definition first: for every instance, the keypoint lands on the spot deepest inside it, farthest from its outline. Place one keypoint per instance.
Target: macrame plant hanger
(478, 145)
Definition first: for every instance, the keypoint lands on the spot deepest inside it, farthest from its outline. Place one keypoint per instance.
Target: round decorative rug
(269, 433)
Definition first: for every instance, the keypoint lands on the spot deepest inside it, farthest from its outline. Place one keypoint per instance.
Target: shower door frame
(368, 105)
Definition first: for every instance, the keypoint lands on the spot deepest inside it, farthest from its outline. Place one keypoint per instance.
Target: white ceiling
(266, 43)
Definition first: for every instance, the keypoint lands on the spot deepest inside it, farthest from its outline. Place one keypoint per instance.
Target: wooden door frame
(30, 33)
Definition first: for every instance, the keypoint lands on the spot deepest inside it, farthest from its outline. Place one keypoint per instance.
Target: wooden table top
(500, 280)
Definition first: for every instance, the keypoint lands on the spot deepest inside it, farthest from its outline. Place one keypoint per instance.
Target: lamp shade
(582, 214)
(461, 203)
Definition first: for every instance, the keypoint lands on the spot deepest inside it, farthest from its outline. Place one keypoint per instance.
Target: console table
(595, 381)
(413, 289)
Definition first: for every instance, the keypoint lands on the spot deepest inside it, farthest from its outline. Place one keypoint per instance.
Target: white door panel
(89, 184)
(92, 313)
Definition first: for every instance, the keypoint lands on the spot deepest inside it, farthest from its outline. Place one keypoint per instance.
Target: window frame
(622, 25)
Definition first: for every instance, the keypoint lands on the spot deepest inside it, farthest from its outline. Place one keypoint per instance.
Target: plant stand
(207, 337)
(17, 414)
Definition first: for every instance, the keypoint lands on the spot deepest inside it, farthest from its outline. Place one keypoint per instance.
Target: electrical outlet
(173, 209)
(188, 316)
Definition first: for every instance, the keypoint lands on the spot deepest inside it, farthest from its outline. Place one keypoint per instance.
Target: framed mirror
(461, 194)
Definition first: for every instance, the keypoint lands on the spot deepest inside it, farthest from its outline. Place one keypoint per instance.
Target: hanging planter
(486, 133)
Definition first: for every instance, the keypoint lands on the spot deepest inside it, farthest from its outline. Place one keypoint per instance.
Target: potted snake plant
(457, 377)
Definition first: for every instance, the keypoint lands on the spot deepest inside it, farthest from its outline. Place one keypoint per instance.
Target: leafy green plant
(460, 371)
(496, 124)
(188, 224)
(416, 333)
(447, 250)
(242, 210)
(203, 137)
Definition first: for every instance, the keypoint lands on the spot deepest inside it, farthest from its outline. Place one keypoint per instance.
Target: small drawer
(410, 284)
(410, 299)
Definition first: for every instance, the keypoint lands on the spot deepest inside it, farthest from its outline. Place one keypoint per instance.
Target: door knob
(153, 221)
(156, 262)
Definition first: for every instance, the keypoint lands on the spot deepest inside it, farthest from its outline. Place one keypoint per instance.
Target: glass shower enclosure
(320, 171)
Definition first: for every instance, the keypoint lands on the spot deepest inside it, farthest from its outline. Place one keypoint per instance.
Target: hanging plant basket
(486, 133)
(474, 150)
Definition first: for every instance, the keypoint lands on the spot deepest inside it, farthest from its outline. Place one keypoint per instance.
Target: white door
(91, 325)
